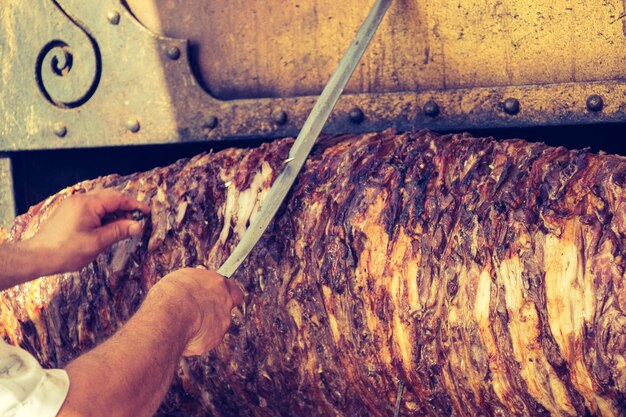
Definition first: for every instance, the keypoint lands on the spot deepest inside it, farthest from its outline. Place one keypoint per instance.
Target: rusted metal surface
(103, 79)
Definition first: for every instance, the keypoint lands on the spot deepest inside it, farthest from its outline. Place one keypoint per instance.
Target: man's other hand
(75, 234)
(208, 299)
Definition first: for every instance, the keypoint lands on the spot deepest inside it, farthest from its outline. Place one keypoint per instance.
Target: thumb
(116, 231)
(235, 292)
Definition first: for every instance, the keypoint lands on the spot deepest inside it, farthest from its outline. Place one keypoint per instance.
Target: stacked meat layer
(465, 276)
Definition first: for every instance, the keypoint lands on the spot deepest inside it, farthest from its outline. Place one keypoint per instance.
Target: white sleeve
(26, 389)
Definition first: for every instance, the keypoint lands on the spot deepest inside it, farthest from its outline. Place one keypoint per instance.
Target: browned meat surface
(487, 277)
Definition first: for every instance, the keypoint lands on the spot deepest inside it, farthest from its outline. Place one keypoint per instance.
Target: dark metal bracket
(88, 74)
(7, 202)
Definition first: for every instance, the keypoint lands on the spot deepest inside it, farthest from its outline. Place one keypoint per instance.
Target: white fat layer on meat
(332, 318)
(372, 262)
(459, 354)
(499, 375)
(403, 287)
(241, 206)
(570, 304)
(524, 328)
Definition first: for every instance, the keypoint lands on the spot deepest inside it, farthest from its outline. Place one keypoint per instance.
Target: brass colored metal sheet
(285, 48)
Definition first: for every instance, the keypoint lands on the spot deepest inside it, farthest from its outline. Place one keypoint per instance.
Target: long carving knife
(306, 138)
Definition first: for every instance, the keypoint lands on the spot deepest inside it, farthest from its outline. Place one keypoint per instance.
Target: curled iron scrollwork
(68, 72)
(62, 66)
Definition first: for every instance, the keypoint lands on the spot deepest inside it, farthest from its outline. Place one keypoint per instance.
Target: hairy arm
(186, 313)
(71, 238)
(20, 262)
(129, 374)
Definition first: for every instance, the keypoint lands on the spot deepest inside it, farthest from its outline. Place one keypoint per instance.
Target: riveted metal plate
(89, 74)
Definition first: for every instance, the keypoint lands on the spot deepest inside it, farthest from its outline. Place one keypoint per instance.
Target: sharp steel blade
(307, 137)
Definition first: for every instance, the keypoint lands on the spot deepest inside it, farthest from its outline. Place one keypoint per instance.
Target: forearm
(129, 374)
(21, 262)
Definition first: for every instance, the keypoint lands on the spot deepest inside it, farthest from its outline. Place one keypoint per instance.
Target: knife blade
(306, 138)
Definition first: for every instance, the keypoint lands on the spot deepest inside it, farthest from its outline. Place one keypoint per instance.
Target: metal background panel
(88, 74)
(286, 48)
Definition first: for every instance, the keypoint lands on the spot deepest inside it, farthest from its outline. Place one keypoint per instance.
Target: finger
(119, 201)
(235, 292)
(109, 201)
(233, 289)
(191, 352)
(116, 231)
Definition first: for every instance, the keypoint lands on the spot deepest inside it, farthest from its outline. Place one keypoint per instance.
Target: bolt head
(279, 117)
(113, 17)
(595, 103)
(511, 106)
(133, 125)
(431, 108)
(172, 52)
(356, 115)
(59, 129)
(211, 122)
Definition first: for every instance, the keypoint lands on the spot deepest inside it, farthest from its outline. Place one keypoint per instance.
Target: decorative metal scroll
(68, 71)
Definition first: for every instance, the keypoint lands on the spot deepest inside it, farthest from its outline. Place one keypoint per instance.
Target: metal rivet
(59, 129)
(279, 117)
(356, 115)
(172, 52)
(211, 122)
(132, 125)
(595, 103)
(113, 17)
(431, 108)
(511, 105)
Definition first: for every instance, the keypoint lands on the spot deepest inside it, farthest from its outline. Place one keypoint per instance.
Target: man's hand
(74, 234)
(186, 312)
(210, 298)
